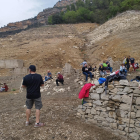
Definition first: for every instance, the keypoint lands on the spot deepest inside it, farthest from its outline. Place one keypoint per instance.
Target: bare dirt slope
(48, 47)
(116, 38)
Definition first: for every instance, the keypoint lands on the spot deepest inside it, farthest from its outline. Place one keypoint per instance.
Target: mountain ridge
(40, 20)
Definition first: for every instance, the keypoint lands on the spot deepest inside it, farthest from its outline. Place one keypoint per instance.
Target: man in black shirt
(86, 72)
(32, 83)
(127, 63)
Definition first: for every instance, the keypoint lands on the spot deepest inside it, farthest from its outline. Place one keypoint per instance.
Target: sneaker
(27, 123)
(39, 124)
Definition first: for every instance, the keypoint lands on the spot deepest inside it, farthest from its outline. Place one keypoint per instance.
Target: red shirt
(60, 77)
(6, 88)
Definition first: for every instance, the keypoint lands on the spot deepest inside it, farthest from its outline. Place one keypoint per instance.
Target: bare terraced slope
(117, 38)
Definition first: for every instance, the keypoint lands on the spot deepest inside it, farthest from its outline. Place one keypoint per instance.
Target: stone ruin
(112, 111)
(16, 72)
(68, 70)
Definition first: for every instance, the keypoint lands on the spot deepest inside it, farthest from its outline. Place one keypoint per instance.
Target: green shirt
(104, 65)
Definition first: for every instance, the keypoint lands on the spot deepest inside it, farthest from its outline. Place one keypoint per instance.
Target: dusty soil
(58, 113)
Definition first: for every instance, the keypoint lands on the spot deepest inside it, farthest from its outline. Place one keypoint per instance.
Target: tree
(50, 19)
(70, 17)
(73, 7)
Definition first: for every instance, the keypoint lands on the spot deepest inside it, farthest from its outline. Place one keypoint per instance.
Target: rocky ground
(58, 112)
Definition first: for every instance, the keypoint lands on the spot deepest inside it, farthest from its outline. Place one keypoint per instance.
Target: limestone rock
(114, 90)
(112, 114)
(95, 96)
(104, 97)
(104, 114)
(133, 84)
(125, 107)
(99, 90)
(134, 136)
(138, 114)
(120, 113)
(88, 111)
(98, 102)
(113, 125)
(93, 111)
(81, 111)
(133, 115)
(126, 90)
(130, 130)
(105, 124)
(126, 99)
(110, 87)
(100, 109)
(121, 127)
(138, 130)
(121, 93)
(136, 91)
(124, 82)
(96, 83)
(116, 98)
(111, 120)
(88, 104)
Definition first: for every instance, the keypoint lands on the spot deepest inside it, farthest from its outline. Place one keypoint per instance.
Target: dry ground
(59, 114)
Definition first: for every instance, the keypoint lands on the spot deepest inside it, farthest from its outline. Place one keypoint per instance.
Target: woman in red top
(5, 87)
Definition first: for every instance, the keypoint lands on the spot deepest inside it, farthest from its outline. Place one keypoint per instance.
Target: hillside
(48, 47)
(116, 38)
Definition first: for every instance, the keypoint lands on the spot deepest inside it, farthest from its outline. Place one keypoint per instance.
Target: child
(122, 69)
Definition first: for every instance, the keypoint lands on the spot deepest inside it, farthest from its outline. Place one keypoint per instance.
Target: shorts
(30, 102)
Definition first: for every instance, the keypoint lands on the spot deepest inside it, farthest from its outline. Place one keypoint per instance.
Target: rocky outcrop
(64, 3)
(39, 20)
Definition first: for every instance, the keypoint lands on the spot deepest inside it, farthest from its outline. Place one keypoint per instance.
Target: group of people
(104, 67)
(130, 62)
(59, 78)
(87, 70)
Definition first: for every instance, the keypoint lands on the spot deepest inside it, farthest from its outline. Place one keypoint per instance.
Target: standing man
(127, 63)
(83, 63)
(32, 83)
(132, 60)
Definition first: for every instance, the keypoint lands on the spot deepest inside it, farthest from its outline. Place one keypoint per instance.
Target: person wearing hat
(59, 79)
(32, 83)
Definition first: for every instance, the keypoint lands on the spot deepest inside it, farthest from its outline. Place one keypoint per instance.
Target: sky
(18, 10)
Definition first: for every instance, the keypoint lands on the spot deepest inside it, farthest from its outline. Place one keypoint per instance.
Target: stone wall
(113, 110)
(9, 64)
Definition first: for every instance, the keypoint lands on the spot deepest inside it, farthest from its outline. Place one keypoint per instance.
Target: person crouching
(59, 79)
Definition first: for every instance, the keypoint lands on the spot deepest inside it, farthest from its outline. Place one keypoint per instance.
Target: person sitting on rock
(59, 79)
(83, 63)
(90, 68)
(86, 72)
(102, 70)
(4, 88)
(105, 65)
(123, 69)
(49, 76)
(108, 66)
(94, 69)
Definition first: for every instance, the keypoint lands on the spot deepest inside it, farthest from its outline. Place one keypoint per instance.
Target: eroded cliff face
(40, 19)
(64, 3)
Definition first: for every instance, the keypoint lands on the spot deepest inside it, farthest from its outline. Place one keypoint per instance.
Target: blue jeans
(47, 78)
(124, 70)
(86, 73)
(110, 68)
